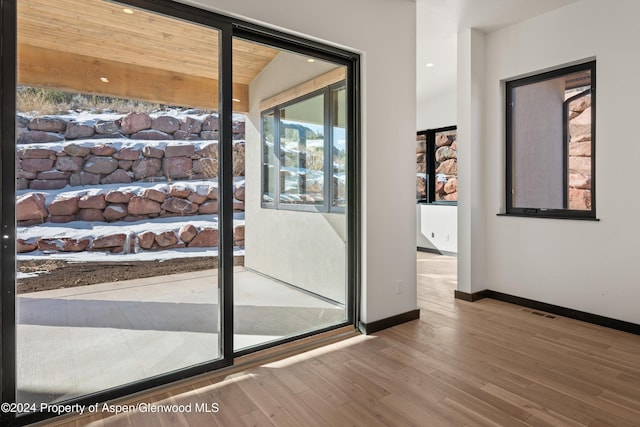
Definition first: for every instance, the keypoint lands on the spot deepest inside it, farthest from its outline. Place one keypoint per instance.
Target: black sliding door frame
(229, 28)
(351, 61)
(225, 272)
(8, 54)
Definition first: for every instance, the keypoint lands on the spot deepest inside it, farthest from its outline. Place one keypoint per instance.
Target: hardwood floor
(462, 364)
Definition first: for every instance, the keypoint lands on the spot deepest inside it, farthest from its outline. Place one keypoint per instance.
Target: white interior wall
(301, 248)
(388, 95)
(437, 109)
(437, 227)
(584, 265)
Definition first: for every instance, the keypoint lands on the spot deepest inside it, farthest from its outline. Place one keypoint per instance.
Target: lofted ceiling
(78, 44)
(489, 15)
(438, 23)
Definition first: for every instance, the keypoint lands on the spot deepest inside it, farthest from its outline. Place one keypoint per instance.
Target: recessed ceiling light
(104, 79)
(311, 60)
(128, 11)
(430, 64)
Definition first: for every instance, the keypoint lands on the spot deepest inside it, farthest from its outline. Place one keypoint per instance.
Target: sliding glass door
(119, 199)
(179, 188)
(294, 278)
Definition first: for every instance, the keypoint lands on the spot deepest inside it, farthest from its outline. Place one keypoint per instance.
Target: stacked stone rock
(160, 201)
(186, 236)
(446, 166)
(52, 161)
(104, 163)
(133, 125)
(580, 153)
(421, 167)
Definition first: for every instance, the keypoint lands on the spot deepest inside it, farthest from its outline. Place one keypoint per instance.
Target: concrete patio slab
(76, 341)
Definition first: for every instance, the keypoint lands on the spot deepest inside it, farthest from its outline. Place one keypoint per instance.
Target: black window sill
(549, 216)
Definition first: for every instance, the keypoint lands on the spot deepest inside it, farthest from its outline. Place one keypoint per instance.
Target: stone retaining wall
(54, 153)
(159, 201)
(140, 126)
(186, 236)
(89, 164)
(446, 166)
(139, 148)
(580, 154)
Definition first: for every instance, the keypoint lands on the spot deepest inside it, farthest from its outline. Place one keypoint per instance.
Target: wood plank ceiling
(78, 44)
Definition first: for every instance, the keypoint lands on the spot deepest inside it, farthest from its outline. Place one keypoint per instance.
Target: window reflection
(302, 152)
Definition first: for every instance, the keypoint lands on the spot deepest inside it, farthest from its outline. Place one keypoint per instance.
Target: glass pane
(552, 136)
(302, 152)
(538, 145)
(421, 167)
(292, 280)
(339, 123)
(446, 166)
(579, 131)
(117, 197)
(268, 156)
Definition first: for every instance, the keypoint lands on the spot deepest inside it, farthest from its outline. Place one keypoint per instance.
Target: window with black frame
(550, 143)
(437, 166)
(304, 152)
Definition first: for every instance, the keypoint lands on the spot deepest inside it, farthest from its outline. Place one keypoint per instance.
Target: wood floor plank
(230, 399)
(328, 411)
(272, 409)
(561, 401)
(318, 383)
(482, 408)
(256, 418)
(474, 418)
(357, 415)
(296, 407)
(416, 415)
(288, 379)
(540, 416)
(349, 381)
(473, 391)
(457, 417)
(625, 401)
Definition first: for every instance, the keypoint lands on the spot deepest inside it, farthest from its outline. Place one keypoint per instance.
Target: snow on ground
(89, 257)
(20, 275)
(85, 229)
(89, 116)
(92, 230)
(134, 187)
(120, 143)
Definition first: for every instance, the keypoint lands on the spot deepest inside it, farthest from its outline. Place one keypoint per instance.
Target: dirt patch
(56, 274)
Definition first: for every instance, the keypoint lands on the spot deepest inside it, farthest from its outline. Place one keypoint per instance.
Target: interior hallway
(460, 364)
